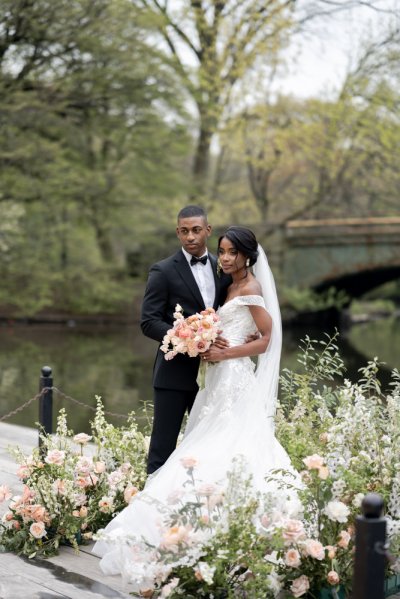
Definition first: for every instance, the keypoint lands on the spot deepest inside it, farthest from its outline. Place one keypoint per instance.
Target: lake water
(116, 363)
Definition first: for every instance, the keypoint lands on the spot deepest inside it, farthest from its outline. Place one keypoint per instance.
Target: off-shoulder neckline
(238, 296)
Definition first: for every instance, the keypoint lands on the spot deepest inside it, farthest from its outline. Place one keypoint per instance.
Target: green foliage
(90, 122)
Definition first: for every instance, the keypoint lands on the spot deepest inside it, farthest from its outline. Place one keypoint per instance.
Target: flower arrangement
(230, 542)
(192, 335)
(72, 486)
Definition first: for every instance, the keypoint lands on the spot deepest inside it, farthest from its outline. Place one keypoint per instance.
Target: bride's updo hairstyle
(244, 241)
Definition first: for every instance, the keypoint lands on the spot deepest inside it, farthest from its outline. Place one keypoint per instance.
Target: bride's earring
(219, 268)
(247, 262)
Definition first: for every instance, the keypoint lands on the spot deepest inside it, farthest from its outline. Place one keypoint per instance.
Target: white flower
(337, 511)
(357, 500)
(206, 572)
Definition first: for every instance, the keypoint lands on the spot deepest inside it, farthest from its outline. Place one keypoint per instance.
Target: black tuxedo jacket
(171, 282)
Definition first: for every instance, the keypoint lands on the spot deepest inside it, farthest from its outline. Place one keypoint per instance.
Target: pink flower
(323, 473)
(37, 530)
(344, 539)
(82, 438)
(23, 471)
(130, 493)
(99, 467)
(55, 456)
(106, 505)
(293, 531)
(314, 462)
(59, 487)
(207, 489)
(5, 493)
(300, 586)
(333, 577)
(314, 549)
(174, 536)
(84, 465)
(332, 550)
(292, 558)
(189, 462)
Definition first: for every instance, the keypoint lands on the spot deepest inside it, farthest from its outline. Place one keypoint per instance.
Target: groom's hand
(252, 337)
(221, 342)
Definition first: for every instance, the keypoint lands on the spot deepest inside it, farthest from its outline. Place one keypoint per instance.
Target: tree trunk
(201, 162)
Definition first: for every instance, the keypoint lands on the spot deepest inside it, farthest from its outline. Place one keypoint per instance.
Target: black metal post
(46, 402)
(370, 560)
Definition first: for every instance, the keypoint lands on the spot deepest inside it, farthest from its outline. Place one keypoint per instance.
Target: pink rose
(189, 462)
(55, 456)
(314, 461)
(300, 586)
(344, 539)
(293, 531)
(5, 493)
(37, 530)
(333, 577)
(23, 471)
(207, 489)
(314, 549)
(82, 438)
(292, 558)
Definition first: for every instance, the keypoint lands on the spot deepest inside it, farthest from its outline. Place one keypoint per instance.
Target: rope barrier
(64, 396)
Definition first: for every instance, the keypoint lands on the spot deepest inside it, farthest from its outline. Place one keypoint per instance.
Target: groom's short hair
(192, 210)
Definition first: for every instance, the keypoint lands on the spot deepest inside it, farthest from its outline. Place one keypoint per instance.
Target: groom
(188, 278)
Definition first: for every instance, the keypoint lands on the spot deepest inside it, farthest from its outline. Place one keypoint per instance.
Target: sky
(317, 60)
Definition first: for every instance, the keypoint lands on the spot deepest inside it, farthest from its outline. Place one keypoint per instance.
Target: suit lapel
(185, 272)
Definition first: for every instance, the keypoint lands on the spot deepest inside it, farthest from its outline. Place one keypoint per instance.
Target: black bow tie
(195, 260)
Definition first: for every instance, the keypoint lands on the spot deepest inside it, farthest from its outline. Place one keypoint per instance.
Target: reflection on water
(116, 363)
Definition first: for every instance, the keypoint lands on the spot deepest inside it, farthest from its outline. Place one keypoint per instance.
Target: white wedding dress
(232, 416)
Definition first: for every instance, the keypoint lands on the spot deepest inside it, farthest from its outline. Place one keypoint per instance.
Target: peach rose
(37, 530)
(207, 489)
(344, 539)
(333, 577)
(174, 536)
(323, 473)
(314, 462)
(314, 549)
(332, 550)
(293, 531)
(130, 493)
(83, 512)
(99, 467)
(106, 505)
(23, 471)
(300, 586)
(189, 462)
(292, 558)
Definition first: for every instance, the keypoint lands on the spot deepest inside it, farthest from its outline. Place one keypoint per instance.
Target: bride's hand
(221, 342)
(214, 354)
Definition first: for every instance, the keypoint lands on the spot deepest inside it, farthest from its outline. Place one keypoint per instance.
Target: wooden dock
(65, 575)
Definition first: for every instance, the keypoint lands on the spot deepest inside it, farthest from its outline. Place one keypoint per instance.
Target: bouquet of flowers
(67, 496)
(192, 335)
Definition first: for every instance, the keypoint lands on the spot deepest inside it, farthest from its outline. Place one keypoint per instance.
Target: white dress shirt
(204, 277)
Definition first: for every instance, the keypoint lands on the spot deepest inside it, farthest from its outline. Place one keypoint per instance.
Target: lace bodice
(236, 319)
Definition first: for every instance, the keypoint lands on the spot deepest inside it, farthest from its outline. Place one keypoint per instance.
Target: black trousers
(170, 406)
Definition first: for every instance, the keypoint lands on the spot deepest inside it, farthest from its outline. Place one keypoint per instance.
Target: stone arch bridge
(353, 254)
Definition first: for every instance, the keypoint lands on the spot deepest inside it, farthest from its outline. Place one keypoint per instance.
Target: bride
(232, 416)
